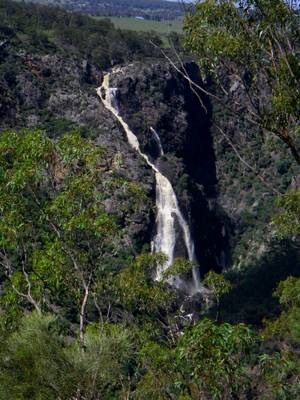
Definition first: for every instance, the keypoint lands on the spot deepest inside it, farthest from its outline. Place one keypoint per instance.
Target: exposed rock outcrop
(58, 95)
(224, 203)
(155, 95)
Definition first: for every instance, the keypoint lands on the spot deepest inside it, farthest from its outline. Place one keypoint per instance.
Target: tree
(287, 326)
(212, 360)
(279, 375)
(160, 377)
(257, 44)
(180, 266)
(282, 335)
(207, 361)
(286, 219)
(38, 362)
(103, 370)
(138, 292)
(55, 233)
(33, 364)
(218, 286)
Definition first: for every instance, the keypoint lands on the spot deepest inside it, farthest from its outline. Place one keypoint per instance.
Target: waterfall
(168, 211)
(157, 139)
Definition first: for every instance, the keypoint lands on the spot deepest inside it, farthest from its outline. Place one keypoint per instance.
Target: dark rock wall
(222, 202)
(156, 95)
(58, 95)
(228, 207)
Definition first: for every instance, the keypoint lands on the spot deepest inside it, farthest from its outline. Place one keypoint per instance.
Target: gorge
(149, 233)
(166, 202)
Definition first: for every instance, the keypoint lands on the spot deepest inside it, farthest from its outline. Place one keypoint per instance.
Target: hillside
(148, 9)
(149, 233)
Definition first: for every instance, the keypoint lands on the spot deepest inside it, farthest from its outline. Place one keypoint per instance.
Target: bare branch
(275, 191)
(257, 121)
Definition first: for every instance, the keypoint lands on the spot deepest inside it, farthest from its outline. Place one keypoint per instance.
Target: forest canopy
(81, 316)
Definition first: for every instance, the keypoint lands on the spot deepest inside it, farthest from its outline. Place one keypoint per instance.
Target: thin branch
(275, 191)
(98, 308)
(29, 295)
(190, 84)
(284, 136)
(210, 94)
(8, 267)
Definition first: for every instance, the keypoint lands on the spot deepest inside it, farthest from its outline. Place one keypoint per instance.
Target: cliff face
(226, 205)
(58, 95)
(156, 96)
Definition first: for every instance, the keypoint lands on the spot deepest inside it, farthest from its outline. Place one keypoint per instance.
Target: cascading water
(168, 211)
(157, 139)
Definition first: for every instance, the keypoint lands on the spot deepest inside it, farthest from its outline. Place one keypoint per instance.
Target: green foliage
(283, 382)
(218, 285)
(287, 220)
(277, 381)
(55, 233)
(160, 378)
(62, 251)
(180, 266)
(207, 361)
(102, 369)
(56, 127)
(212, 359)
(256, 41)
(52, 29)
(32, 360)
(38, 363)
(288, 324)
(288, 292)
(137, 290)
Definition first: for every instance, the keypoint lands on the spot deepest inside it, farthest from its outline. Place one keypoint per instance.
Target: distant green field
(135, 24)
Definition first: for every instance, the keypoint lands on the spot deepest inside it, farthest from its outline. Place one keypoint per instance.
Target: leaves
(217, 283)
(255, 45)
(287, 220)
(54, 230)
(136, 288)
(213, 357)
(180, 266)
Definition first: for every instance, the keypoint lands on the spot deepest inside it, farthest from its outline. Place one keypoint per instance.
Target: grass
(134, 24)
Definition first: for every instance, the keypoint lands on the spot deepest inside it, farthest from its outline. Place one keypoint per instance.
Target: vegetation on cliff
(258, 43)
(251, 53)
(52, 29)
(80, 314)
(148, 9)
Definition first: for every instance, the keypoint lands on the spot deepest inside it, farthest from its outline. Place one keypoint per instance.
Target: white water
(157, 139)
(168, 211)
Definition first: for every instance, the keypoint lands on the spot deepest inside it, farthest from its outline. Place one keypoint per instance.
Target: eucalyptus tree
(55, 232)
(252, 46)
(218, 285)
(38, 362)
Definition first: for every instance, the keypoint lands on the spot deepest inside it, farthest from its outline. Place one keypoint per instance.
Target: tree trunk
(82, 316)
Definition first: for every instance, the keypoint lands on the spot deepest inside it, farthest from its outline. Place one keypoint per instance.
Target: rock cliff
(156, 96)
(224, 204)
(58, 95)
